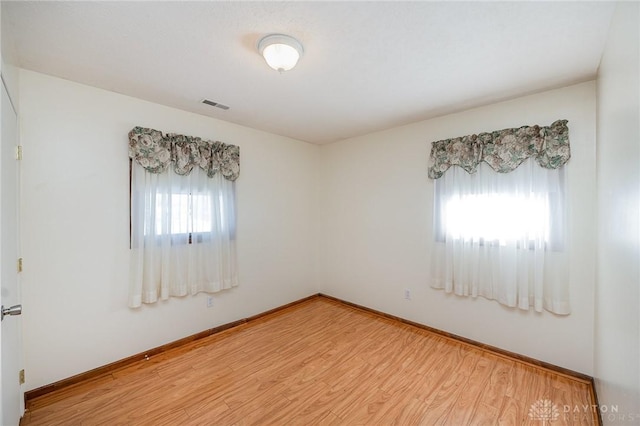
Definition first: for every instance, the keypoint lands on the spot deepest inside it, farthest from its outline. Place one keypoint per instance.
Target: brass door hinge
(19, 264)
(21, 377)
(19, 152)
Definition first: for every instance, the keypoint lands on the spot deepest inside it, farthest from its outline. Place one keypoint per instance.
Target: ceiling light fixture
(280, 51)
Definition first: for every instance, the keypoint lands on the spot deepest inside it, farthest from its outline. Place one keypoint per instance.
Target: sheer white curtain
(502, 236)
(183, 234)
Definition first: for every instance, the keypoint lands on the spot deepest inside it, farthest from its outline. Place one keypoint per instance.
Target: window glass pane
(201, 213)
(183, 213)
(497, 217)
(524, 206)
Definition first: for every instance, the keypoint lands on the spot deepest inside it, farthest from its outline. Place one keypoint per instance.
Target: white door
(11, 325)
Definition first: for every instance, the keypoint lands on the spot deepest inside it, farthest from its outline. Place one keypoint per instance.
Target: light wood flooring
(319, 362)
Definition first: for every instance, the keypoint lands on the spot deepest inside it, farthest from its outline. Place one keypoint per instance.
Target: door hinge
(19, 152)
(19, 264)
(21, 376)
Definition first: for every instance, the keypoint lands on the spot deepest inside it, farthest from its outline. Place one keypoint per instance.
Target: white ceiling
(367, 66)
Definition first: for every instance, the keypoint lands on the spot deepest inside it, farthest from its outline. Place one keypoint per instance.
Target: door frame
(4, 116)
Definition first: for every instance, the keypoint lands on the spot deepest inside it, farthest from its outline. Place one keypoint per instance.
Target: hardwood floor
(321, 362)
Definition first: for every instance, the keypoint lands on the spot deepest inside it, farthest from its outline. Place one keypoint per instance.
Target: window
(192, 217)
(498, 214)
(502, 236)
(182, 215)
(497, 217)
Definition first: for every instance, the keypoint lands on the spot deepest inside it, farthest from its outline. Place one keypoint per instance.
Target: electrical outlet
(209, 302)
(407, 294)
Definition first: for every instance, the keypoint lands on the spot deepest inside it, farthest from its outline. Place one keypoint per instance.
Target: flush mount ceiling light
(280, 51)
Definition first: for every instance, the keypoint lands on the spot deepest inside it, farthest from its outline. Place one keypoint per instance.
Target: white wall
(372, 224)
(75, 243)
(617, 318)
(374, 216)
(377, 228)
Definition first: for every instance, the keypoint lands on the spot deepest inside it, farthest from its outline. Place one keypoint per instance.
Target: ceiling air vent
(215, 104)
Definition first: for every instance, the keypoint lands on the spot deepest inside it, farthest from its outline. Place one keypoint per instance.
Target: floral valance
(504, 150)
(155, 152)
